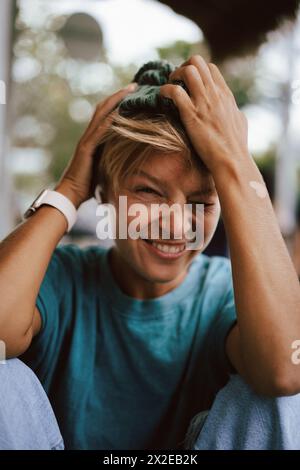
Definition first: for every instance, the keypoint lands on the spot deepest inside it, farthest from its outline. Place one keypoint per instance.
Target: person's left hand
(216, 127)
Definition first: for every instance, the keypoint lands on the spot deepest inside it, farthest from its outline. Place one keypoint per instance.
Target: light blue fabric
(238, 420)
(242, 420)
(27, 421)
(124, 373)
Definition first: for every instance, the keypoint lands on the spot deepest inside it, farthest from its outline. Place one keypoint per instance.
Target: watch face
(36, 203)
(29, 212)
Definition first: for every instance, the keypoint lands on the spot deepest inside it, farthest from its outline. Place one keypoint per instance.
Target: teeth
(168, 248)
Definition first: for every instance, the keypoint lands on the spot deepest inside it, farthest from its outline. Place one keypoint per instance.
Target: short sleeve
(55, 301)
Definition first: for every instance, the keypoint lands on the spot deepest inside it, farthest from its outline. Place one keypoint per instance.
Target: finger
(203, 69)
(186, 62)
(97, 133)
(103, 115)
(220, 82)
(106, 106)
(190, 76)
(114, 99)
(217, 76)
(180, 98)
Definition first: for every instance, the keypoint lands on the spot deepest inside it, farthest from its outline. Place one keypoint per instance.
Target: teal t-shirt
(125, 373)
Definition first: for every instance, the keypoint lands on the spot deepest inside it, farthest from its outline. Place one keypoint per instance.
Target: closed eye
(208, 207)
(147, 189)
(206, 204)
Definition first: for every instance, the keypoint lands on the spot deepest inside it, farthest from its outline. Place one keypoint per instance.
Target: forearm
(26, 252)
(24, 257)
(266, 286)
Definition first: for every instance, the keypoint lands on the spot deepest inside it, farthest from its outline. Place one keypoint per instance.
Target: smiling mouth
(168, 248)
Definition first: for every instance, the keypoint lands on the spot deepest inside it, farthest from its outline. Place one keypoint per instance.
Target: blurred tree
(240, 77)
(54, 93)
(180, 51)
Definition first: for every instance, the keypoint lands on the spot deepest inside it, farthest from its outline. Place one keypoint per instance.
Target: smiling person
(133, 343)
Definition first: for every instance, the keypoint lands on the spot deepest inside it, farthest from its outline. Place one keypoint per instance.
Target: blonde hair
(128, 142)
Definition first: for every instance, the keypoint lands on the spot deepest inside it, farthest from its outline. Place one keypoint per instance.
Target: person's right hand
(75, 182)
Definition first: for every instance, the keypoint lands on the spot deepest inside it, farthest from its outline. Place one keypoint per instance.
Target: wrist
(236, 170)
(64, 188)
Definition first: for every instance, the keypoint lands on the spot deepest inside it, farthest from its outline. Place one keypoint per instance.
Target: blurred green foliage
(48, 94)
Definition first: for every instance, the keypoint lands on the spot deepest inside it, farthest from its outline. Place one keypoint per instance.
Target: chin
(153, 268)
(155, 276)
(156, 270)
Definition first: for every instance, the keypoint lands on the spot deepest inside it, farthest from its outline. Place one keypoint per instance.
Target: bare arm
(266, 287)
(24, 257)
(25, 253)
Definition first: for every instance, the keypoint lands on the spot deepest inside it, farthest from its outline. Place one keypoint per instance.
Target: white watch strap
(60, 202)
(63, 204)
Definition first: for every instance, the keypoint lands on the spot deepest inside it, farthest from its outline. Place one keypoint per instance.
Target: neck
(133, 284)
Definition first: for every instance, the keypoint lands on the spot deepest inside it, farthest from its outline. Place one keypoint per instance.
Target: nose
(174, 223)
(177, 223)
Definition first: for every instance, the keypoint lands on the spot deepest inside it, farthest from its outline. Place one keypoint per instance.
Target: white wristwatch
(55, 199)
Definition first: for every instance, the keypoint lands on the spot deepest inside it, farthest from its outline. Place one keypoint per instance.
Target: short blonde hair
(128, 142)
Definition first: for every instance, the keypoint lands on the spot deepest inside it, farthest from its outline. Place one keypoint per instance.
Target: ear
(100, 194)
(103, 196)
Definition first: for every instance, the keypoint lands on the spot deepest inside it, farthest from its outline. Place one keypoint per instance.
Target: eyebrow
(207, 190)
(150, 177)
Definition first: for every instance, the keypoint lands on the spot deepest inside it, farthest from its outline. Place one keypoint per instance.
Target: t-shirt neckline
(133, 307)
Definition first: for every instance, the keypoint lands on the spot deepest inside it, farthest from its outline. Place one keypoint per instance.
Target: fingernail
(132, 86)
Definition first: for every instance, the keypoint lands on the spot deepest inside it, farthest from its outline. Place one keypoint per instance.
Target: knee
(242, 419)
(26, 417)
(242, 396)
(15, 377)
(19, 390)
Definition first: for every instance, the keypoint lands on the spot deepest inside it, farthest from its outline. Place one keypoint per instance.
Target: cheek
(210, 224)
(134, 219)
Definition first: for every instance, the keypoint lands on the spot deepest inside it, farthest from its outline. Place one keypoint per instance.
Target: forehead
(174, 169)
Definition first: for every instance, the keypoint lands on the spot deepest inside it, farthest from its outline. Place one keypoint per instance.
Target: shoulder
(215, 278)
(77, 257)
(214, 268)
(74, 265)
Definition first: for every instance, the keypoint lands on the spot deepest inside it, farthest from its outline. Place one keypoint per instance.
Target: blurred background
(58, 58)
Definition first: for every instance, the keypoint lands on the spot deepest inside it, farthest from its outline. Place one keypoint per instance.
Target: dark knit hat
(146, 99)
